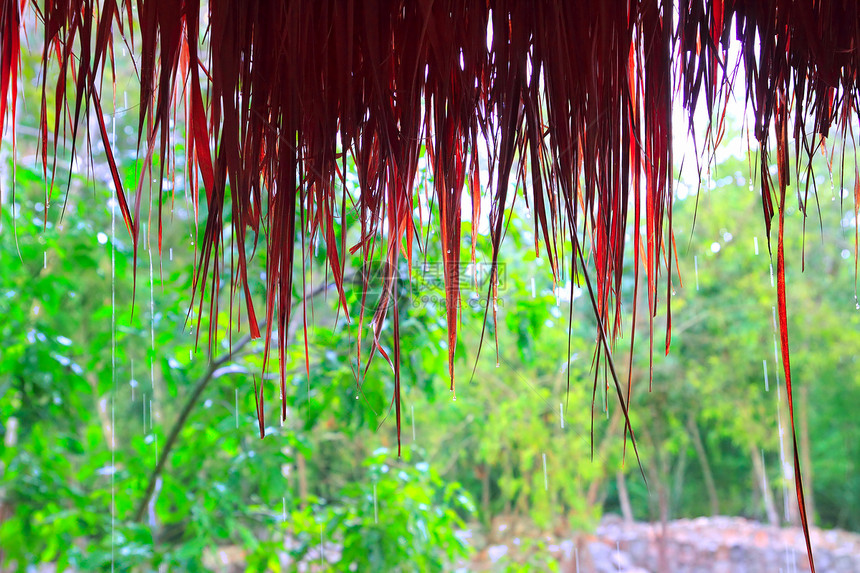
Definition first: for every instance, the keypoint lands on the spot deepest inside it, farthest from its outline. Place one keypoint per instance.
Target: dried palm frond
(574, 97)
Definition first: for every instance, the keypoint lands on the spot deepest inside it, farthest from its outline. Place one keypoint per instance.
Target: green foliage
(398, 517)
(69, 496)
(87, 409)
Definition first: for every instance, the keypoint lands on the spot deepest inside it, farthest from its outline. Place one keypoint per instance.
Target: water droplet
(356, 396)
(545, 479)
(696, 262)
(497, 364)
(375, 507)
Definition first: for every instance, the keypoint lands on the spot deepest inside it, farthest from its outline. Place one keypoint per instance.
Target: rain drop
(696, 264)
(375, 507)
(545, 480)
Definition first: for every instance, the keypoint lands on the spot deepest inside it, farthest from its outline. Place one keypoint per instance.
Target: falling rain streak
(782, 468)
(766, 387)
(755, 245)
(696, 265)
(545, 479)
(606, 399)
(561, 414)
(112, 476)
(786, 474)
(113, 377)
(775, 350)
(375, 505)
(151, 331)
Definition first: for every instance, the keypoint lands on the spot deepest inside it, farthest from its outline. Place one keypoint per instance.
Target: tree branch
(199, 387)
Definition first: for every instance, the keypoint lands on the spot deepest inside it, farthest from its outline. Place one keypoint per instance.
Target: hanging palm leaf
(574, 98)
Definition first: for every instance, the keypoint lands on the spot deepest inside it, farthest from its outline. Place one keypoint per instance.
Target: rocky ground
(716, 544)
(703, 545)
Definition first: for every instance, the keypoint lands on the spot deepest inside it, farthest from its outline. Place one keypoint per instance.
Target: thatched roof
(574, 97)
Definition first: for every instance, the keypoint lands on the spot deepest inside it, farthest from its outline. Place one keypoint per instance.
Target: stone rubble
(730, 545)
(701, 545)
